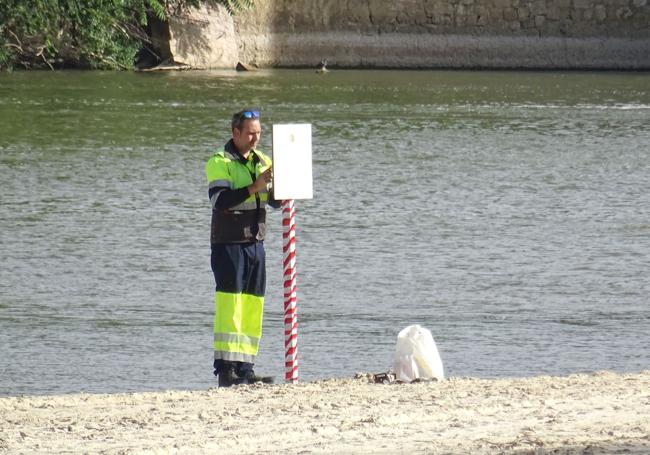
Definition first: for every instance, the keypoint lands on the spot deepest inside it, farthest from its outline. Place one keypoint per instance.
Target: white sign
(292, 178)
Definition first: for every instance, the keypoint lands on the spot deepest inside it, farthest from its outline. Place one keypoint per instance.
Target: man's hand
(261, 182)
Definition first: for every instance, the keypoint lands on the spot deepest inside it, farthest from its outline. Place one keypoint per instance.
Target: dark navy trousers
(238, 268)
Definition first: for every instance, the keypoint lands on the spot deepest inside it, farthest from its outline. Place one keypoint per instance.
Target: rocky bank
(526, 34)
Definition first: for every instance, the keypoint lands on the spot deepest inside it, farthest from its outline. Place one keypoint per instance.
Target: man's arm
(222, 197)
(225, 198)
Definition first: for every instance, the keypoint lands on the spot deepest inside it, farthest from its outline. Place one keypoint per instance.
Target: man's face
(247, 138)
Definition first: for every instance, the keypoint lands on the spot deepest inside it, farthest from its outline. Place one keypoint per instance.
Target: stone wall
(203, 38)
(576, 18)
(608, 34)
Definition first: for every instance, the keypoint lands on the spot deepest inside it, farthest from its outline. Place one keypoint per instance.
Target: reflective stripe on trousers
(237, 326)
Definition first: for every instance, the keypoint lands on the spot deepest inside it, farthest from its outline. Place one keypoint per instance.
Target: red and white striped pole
(290, 307)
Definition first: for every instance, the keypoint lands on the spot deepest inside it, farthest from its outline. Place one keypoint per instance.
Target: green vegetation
(83, 34)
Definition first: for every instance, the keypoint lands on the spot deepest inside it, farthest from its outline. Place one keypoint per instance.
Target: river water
(507, 212)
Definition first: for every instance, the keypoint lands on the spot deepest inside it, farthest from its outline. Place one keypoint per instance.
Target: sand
(595, 413)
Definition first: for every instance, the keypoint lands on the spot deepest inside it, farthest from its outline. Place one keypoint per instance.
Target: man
(238, 177)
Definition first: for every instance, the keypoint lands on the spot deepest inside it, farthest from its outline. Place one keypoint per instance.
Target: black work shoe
(227, 376)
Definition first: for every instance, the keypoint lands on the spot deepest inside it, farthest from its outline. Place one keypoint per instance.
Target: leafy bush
(81, 33)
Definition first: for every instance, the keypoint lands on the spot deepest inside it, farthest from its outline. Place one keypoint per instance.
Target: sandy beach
(595, 413)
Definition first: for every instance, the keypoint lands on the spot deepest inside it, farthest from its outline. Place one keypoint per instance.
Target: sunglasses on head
(251, 114)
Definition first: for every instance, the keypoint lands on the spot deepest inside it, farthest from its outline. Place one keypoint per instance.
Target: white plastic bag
(416, 356)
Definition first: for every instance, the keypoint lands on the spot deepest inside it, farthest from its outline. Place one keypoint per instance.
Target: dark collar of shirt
(232, 150)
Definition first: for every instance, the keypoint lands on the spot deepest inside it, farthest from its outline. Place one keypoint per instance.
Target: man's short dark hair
(238, 118)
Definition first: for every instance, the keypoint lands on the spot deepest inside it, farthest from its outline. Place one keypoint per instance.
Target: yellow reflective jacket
(228, 170)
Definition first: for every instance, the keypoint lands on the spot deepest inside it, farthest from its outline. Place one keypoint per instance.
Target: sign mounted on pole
(292, 179)
(292, 174)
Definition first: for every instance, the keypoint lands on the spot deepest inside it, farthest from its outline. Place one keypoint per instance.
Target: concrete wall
(611, 34)
(203, 38)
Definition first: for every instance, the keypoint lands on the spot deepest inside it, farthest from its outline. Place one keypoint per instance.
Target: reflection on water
(506, 212)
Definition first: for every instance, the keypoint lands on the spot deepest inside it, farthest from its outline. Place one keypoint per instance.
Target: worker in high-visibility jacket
(238, 188)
